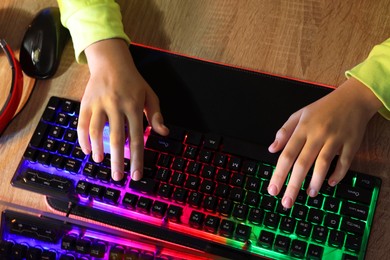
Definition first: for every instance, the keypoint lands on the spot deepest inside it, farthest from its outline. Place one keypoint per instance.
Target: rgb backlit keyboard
(203, 186)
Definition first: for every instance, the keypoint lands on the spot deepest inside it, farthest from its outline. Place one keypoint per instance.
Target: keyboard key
(355, 210)
(271, 220)
(144, 204)
(195, 199)
(282, 243)
(19, 251)
(180, 195)
(211, 223)
(287, 224)
(240, 212)
(69, 242)
(196, 219)
(354, 193)
(174, 213)
(83, 246)
(145, 185)
(303, 229)
(336, 238)
(97, 191)
(41, 179)
(315, 252)
(98, 249)
(39, 134)
(319, 233)
(130, 200)
(353, 226)
(111, 195)
(353, 243)
(298, 248)
(211, 141)
(159, 208)
(332, 220)
(242, 232)
(255, 216)
(227, 228)
(164, 145)
(266, 239)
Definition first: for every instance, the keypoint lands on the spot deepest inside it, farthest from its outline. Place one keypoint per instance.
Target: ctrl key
(266, 239)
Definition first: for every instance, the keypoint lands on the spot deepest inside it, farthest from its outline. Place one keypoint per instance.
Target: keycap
(159, 208)
(164, 145)
(298, 248)
(174, 213)
(282, 243)
(226, 228)
(196, 219)
(354, 193)
(352, 225)
(211, 223)
(50, 181)
(242, 232)
(144, 185)
(266, 239)
(355, 210)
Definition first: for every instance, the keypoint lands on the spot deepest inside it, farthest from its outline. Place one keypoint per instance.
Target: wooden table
(312, 40)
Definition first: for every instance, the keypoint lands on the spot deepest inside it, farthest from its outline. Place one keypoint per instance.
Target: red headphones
(11, 104)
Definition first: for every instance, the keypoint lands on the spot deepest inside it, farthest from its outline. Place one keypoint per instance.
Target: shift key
(354, 193)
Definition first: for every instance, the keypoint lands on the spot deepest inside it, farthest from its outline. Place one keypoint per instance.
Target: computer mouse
(43, 44)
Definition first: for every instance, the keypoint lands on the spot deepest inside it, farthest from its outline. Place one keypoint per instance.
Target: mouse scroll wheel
(35, 55)
(36, 48)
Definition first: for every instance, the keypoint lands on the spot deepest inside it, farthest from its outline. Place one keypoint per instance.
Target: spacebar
(249, 150)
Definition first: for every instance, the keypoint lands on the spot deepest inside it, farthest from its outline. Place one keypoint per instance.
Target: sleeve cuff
(374, 73)
(89, 23)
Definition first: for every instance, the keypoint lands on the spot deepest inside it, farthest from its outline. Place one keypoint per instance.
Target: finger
(83, 130)
(136, 146)
(98, 120)
(285, 132)
(117, 140)
(321, 167)
(301, 166)
(343, 163)
(284, 164)
(153, 113)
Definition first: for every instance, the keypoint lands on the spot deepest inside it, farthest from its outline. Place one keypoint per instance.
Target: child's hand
(333, 125)
(116, 93)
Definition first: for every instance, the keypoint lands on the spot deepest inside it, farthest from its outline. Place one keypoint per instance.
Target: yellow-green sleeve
(90, 21)
(374, 72)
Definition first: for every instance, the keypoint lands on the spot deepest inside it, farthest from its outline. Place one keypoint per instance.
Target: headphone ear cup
(9, 108)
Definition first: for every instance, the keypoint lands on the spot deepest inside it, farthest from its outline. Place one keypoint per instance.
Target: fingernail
(136, 175)
(287, 202)
(272, 190)
(312, 193)
(117, 176)
(332, 183)
(273, 145)
(96, 157)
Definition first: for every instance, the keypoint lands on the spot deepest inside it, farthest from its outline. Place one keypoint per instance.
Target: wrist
(109, 54)
(360, 94)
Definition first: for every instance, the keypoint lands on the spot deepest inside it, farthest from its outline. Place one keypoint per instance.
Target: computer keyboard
(31, 237)
(201, 190)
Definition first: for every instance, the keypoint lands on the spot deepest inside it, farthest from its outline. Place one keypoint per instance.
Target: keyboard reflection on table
(199, 190)
(31, 237)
